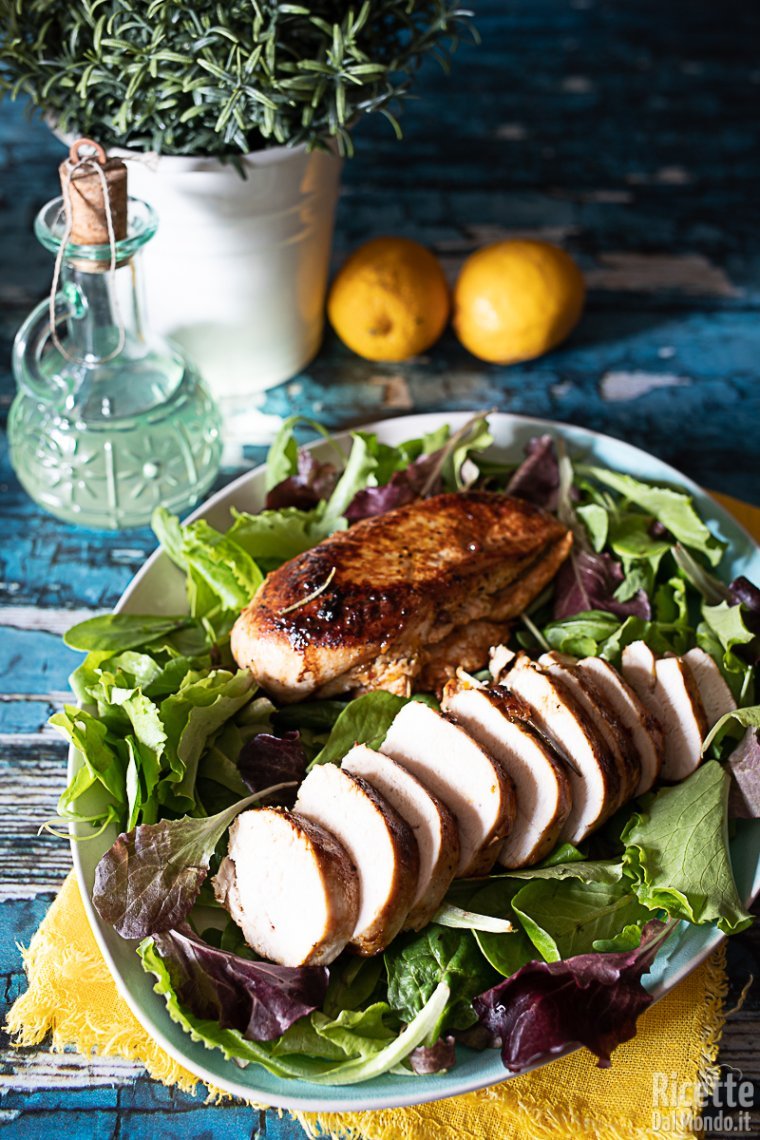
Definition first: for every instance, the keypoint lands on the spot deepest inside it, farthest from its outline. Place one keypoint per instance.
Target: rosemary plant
(206, 77)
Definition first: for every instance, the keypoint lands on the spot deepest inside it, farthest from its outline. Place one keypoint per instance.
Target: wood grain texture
(626, 132)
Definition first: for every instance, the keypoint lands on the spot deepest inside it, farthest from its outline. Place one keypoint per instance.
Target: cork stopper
(83, 190)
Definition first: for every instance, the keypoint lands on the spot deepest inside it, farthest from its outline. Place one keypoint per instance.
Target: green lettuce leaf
(564, 918)
(676, 852)
(673, 509)
(190, 717)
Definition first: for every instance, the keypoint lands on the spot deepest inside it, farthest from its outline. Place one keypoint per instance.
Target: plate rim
(425, 1093)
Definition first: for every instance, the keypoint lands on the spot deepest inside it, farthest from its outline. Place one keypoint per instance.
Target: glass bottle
(110, 421)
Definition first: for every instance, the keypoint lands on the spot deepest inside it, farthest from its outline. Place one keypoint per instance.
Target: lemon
(389, 300)
(515, 300)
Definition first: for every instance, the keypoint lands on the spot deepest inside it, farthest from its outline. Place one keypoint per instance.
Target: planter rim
(204, 163)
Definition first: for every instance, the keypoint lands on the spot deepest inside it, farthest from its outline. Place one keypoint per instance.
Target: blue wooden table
(626, 132)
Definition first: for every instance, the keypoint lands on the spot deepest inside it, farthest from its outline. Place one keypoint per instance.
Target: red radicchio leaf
(587, 581)
(265, 760)
(590, 999)
(435, 1058)
(744, 766)
(537, 477)
(402, 488)
(257, 998)
(313, 482)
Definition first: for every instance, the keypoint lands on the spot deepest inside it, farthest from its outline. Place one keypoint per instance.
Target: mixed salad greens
(175, 742)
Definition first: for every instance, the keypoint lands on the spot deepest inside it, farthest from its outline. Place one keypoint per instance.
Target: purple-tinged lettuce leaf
(591, 999)
(402, 488)
(258, 999)
(744, 766)
(743, 592)
(537, 477)
(265, 760)
(313, 482)
(588, 581)
(148, 881)
(437, 1058)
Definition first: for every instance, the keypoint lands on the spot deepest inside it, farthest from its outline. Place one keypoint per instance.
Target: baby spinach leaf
(676, 852)
(417, 964)
(673, 509)
(590, 999)
(114, 633)
(563, 918)
(581, 633)
(365, 720)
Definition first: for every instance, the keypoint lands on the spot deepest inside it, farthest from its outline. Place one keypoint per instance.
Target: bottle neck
(106, 310)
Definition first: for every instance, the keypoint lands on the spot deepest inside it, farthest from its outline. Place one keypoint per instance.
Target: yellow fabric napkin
(72, 996)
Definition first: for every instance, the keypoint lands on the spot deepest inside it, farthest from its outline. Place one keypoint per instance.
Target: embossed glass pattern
(120, 421)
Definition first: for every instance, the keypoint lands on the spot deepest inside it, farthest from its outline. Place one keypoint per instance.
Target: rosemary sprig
(220, 79)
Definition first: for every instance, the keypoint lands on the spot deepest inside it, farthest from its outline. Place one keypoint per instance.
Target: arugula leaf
(581, 633)
(117, 632)
(283, 454)
(676, 852)
(365, 720)
(148, 881)
(592, 999)
(673, 509)
(596, 521)
(360, 466)
(417, 964)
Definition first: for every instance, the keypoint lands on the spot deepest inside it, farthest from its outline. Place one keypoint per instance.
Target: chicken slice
(668, 690)
(643, 726)
(497, 721)
(591, 770)
(393, 587)
(602, 714)
(432, 824)
(717, 698)
(290, 886)
(470, 782)
(380, 844)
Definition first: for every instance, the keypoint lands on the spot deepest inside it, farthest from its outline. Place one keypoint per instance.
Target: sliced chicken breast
(668, 690)
(432, 824)
(591, 769)
(470, 782)
(717, 699)
(644, 728)
(290, 886)
(603, 715)
(380, 844)
(497, 721)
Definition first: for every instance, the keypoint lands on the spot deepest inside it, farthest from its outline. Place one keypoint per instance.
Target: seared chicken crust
(367, 608)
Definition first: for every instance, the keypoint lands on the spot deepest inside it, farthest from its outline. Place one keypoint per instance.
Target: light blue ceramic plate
(158, 588)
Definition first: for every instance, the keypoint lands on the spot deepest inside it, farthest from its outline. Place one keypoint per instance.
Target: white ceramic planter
(238, 269)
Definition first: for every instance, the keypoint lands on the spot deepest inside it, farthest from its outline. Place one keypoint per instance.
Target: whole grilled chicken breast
(367, 608)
